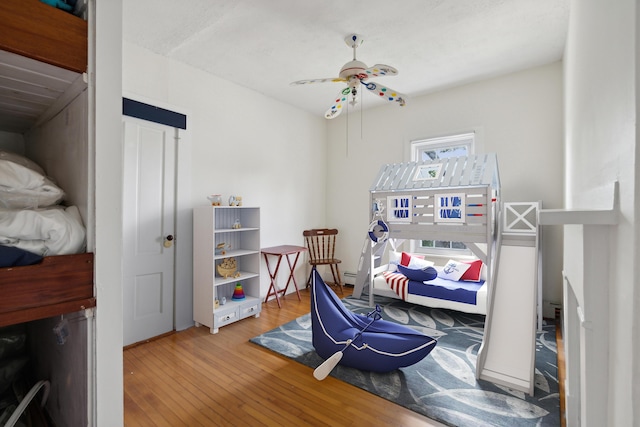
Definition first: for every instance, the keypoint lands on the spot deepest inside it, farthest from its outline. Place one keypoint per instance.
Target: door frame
(183, 258)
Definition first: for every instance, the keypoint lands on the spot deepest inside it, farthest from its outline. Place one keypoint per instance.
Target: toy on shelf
(215, 199)
(236, 225)
(228, 268)
(238, 293)
(235, 200)
(222, 248)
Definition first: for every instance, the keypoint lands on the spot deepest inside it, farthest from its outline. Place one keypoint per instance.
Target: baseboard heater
(349, 278)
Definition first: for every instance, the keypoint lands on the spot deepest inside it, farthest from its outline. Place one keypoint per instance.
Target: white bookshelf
(213, 225)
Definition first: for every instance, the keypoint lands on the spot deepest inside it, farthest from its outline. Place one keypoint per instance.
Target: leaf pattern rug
(442, 386)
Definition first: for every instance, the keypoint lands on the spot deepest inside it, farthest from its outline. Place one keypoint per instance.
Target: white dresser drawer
(223, 317)
(251, 308)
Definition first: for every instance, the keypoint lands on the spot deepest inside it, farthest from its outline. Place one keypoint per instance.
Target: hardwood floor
(193, 378)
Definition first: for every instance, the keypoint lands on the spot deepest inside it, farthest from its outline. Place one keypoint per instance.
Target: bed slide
(507, 355)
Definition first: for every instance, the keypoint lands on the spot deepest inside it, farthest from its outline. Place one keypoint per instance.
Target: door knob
(168, 241)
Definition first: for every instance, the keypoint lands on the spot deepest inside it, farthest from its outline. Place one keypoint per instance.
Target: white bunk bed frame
(407, 198)
(455, 199)
(414, 201)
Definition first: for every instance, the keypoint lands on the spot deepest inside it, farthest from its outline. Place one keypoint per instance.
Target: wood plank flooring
(194, 378)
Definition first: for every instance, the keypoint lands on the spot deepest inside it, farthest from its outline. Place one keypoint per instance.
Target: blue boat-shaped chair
(361, 342)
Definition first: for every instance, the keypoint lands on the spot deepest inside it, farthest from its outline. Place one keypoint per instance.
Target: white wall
(601, 81)
(107, 130)
(60, 147)
(13, 142)
(518, 116)
(242, 143)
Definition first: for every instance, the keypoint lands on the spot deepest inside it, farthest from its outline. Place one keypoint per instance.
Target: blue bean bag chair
(376, 345)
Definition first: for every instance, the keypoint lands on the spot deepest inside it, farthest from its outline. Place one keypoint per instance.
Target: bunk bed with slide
(457, 199)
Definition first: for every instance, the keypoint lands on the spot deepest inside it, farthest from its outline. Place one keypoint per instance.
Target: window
(442, 148)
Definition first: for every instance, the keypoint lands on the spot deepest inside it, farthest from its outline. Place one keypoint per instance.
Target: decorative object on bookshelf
(228, 268)
(222, 248)
(238, 293)
(235, 200)
(215, 199)
(236, 225)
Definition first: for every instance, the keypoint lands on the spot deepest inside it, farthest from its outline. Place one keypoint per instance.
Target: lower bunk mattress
(468, 297)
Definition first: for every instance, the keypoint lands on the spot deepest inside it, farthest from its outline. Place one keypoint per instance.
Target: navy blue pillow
(420, 274)
(11, 256)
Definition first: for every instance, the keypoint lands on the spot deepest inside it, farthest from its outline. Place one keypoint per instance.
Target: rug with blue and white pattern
(442, 386)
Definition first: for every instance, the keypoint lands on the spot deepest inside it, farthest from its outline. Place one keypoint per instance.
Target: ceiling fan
(355, 73)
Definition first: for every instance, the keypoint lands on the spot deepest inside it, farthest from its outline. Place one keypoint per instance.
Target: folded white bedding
(53, 231)
(23, 184)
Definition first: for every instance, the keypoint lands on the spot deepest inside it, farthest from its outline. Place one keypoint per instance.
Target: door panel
(148, 218)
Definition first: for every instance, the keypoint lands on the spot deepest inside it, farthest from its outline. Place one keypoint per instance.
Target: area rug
(442, 386)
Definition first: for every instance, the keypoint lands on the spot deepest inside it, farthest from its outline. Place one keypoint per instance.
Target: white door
(148, 228)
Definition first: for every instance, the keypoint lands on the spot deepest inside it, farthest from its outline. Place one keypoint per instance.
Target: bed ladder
(371, 254)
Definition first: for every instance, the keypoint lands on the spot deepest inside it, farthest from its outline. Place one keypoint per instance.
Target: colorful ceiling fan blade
(336, 108)
(385, 93)
(309, 81)
(380, 70)
(356, 73)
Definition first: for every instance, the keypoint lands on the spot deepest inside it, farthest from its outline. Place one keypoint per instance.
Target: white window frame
(418, 147)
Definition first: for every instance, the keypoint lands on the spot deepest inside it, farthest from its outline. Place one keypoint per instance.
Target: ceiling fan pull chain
(347, 128)
(361, 115)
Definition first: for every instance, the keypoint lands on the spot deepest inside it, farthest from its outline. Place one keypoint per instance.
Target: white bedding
(381, 287)
(52, 231)
(24, 185)
(30, 216)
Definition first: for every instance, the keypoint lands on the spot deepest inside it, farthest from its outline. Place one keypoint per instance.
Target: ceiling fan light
(352, 68)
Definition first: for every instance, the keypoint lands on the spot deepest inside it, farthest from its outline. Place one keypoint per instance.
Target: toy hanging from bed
(363, 342)
(378, 229)
(377, 238)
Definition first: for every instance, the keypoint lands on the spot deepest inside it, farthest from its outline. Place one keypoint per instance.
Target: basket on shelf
(228, 268)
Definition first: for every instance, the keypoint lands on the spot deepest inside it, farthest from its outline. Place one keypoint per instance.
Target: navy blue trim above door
(154, 114)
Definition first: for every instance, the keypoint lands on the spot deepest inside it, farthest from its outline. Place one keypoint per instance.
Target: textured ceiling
(267, 44)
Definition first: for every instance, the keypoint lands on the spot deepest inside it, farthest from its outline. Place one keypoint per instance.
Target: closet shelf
(43, 62)
(33, 29)
(58, 285)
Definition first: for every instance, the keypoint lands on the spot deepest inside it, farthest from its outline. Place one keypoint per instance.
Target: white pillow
(21, 187)
(21, 160)
(453, 270)
(483, 273)
(394, 260)
(416, 263)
